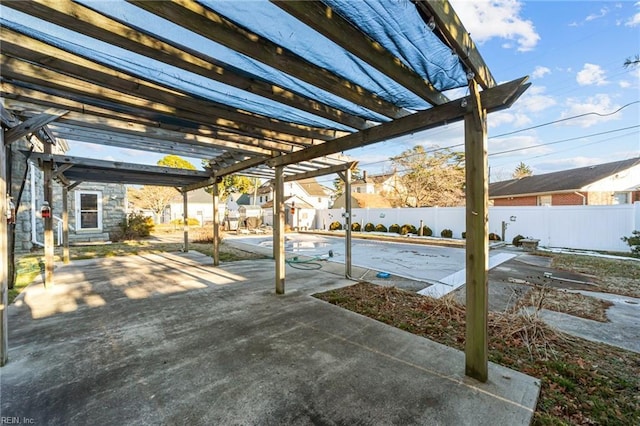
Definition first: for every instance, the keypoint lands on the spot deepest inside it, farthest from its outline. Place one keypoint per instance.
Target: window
(621, 197)
(89, 210)
(544, 200)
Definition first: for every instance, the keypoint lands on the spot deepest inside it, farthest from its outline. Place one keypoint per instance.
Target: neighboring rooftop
(565, 180)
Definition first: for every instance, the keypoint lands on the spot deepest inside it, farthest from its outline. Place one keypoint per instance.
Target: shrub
(369, 227)
(426, 231)
(395, 228)
(446, 233)
(355, 227)
(464, 234)
(408, 229)
(516, 240)
(634, 242)
(136, 226)
(335, 226)
(381, 228)
(494, 237)
(190, 221)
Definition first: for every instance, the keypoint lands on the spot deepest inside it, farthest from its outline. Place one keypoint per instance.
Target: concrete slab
(441, 268)
(169, 339)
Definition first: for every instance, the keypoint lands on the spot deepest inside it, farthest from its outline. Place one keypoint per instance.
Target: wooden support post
(185, 221)
(216, 226)
(346, 176)
(47, 166)
(65, 225)
(4, 255)
(278, 228)
(477, 265)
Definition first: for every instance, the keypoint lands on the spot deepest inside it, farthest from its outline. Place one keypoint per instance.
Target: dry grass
(583, 382)
(613, 276)
(569, 303)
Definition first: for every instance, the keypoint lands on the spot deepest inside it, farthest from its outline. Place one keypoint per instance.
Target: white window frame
(79, 194)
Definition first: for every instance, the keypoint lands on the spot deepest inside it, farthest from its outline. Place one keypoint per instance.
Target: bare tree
(156, 198)
(430, 179)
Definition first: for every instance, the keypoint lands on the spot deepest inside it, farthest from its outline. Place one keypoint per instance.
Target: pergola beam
(215, 27)
(330, 24)
(153, 124)
(455, 35)
(71, 64)
(494, 99)
(79, 18)
(32, 125)
(322, 172)
(95, 87)
(92, 170)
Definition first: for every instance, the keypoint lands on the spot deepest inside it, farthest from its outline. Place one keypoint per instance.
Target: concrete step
(89, 237)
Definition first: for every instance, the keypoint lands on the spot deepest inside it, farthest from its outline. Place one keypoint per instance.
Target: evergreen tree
(522, 170)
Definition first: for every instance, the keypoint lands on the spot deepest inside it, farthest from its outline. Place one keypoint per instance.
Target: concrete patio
(169, 339)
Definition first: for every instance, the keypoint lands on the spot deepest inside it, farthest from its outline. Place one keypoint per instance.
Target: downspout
(584, 198)
(34, 233)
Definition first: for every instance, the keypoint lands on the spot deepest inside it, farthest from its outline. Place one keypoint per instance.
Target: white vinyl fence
(577, 227)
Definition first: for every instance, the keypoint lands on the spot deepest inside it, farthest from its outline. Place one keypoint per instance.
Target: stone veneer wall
(113, 200)
(113, 206)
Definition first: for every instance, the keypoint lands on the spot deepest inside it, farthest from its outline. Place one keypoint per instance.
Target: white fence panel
(578, 227)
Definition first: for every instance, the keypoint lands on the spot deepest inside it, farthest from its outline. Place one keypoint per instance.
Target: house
(301, 199)
(95, 210)
(199, 206)
(383, 184)
(603, 184)
(363, 200)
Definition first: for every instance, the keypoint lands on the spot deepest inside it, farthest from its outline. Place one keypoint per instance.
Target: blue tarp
(395, 24)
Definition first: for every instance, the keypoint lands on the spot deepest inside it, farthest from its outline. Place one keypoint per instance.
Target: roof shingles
(565, 180)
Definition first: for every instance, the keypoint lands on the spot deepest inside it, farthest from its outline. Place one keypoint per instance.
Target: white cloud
(624, 84)
(537, 103)
(598, 104)
(516, 119)
(487, 19)
(591, 74)
(594, 16)
(519, 145)
(540, 72)
(535, 100)
(633, 21)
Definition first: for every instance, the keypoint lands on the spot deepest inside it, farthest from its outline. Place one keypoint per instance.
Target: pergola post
(346, 177)
(185, 221)
(476, 348)
(65, 225)
(4, 255)
(216, 226)
(278, 229)
(47, 167)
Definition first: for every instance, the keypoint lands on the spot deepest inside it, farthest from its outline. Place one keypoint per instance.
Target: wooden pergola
(287, 127)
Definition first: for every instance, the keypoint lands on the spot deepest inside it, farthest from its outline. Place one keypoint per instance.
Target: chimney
(364, 176)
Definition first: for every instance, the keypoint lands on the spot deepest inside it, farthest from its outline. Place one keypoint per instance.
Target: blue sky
(573, 52)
